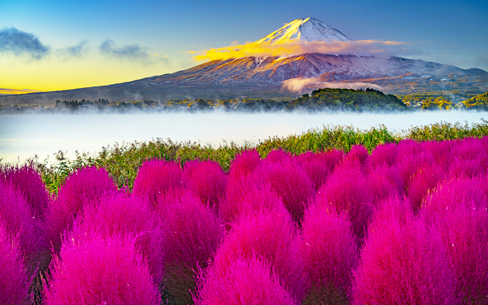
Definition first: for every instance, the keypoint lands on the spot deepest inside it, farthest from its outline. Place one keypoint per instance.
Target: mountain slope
(282, 77)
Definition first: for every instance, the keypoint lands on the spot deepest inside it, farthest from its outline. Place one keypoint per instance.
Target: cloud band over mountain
(296, 47)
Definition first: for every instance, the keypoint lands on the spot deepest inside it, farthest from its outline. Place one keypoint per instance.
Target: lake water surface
(23, 136)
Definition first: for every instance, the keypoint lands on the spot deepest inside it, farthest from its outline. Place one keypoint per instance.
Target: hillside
(347, 100)
(478, 102)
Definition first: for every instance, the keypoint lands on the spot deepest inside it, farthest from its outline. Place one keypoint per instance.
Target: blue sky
(92, 43)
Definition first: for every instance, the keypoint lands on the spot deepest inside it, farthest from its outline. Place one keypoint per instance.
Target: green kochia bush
(402, 261)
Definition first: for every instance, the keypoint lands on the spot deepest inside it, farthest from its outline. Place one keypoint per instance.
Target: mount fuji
(287, 76)
(307, 30)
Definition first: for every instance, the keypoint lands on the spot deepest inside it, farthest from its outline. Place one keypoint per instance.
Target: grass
(123, 161)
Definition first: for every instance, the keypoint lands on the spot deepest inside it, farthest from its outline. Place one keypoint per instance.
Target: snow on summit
(307, 30)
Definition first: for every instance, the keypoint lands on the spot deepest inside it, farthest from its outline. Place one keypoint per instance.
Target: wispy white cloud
(18, 42)
(301, 85)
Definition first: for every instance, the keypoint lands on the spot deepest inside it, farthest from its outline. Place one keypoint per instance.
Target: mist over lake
(24, 136)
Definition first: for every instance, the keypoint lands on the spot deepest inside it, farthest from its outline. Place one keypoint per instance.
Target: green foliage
(347, 100)
(123, 161)
(479, 102)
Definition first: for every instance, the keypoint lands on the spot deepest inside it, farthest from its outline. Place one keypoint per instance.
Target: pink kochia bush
(14, 280)
(383, 182)
(358, 153)
(192, 235)
(464, 231)
(155, 177)
(402, 261)
(424, 179)
(20, 224)
(346, 190)
(121, 214)
(278, 156)
(29, 183)
(270, 236)
(458, 209)
(451, 193)
(85, 185)
(206, 179)
(318, 166)
(100, 269)
(291, 183)
(330, 252)
(247, 195)
(246, 282)
(383, 155)
(244, 163)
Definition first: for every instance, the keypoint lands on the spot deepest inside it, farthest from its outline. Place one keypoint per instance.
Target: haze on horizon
(59, 45)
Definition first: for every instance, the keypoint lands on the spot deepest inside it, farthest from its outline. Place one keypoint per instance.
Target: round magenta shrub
(440, 150)
(408, 165)
(422, 181)
(14, 281)
(468, 148)
(29, 183)
(155, 177)
(468, 168)
(402, 261)
(207, 180)
(278, 156)
(271, 236)
(451, 193)
(244, 163)
(291, 183)
(384, 154)
(246, 195)
(100, 269)
(345, 191)
(383, 182)
(358, 153)
(192, 234)
(319, 165)
(20, 223)
(121, 214)
(330, 253)
(314, 168)
(464, 231)
(85, 185)
(245, 282)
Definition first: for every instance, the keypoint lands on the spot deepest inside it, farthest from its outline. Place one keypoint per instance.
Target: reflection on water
(23, 136)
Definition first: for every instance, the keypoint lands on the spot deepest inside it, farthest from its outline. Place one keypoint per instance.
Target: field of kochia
(401, 221)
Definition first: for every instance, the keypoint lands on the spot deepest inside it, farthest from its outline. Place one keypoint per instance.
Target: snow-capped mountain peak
(306, 30)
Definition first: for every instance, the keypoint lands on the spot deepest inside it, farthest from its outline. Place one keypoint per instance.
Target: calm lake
(23, 136)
